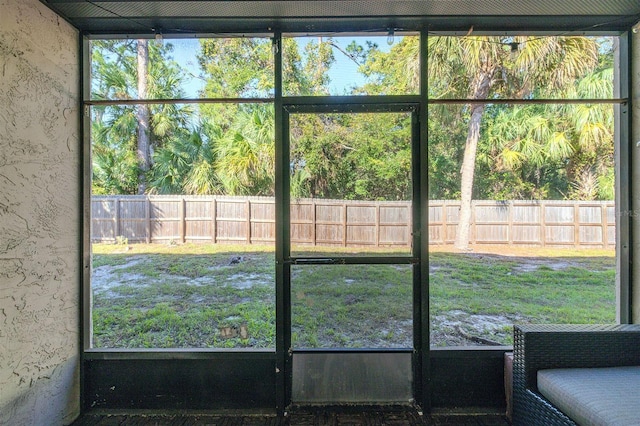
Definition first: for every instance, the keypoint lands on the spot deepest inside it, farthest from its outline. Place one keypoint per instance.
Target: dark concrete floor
(302, 417)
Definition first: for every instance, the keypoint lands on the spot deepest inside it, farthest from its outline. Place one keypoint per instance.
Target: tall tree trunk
(467, 171)
(466, 177)
(142, 115)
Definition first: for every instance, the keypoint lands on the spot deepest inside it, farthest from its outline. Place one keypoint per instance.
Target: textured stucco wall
(39, 225)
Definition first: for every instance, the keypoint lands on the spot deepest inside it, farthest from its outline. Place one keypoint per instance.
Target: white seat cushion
(594, 396)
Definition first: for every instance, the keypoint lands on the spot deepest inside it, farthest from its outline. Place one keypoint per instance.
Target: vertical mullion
(282, 238)
(86, 214)
(417, 254)
(422, 373)
(623, 196)
(286, 246)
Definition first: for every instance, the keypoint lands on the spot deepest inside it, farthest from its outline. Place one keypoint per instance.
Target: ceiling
(188, 17)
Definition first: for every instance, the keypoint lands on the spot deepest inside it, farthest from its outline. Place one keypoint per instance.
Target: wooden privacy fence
(251, 220)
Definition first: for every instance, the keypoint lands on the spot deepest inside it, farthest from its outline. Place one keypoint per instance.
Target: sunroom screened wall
(96, 357)
(187, 19)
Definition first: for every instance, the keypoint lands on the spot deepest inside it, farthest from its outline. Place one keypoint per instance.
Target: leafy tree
(352, 156)
(318, 59)
(115, 165)
(244, 140)
(566, 150)
(536, 151)
(319, 149)
(529, 140)
(116, 130)
(186, 165)
(446, 124)
(246, 154)
(481, 67)
(396, 72)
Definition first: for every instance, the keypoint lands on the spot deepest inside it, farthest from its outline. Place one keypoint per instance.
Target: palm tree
(115, 166)
(142, 114)
(246, 154)
(186, 165)
(572, 140)
(136, 70)
(479, 68)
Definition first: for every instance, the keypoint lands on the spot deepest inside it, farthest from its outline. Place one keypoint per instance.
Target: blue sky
(344, 72)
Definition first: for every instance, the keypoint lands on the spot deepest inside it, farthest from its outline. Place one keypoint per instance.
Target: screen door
(351, 276)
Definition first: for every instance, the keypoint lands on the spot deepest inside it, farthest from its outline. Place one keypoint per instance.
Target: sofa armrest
(538, 347)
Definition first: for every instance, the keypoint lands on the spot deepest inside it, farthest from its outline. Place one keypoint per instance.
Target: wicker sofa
(552, 347)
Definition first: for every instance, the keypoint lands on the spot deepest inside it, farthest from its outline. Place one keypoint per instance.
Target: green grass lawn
(217, 296)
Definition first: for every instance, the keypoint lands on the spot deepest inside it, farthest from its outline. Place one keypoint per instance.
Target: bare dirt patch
(459, 281)
(107, 277)
(459, 328)
(244, 281)
(529, 265)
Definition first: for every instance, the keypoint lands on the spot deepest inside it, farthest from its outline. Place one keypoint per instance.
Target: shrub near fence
(347, 223)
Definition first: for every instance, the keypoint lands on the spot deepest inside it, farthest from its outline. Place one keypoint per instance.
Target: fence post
(213, 221)
(543, 225)
(314, 232)
(147, 214)
(116, 228)
(248, 212)
(576, 224)
(604, 220)
(183, 220)
(344, 224)
(444, 229)
(377, 224)
(474, 230)
(510, 220)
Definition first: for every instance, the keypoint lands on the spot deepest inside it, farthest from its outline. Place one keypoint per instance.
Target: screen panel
(352, 306)
(363, 65)
(539, 244)
(351, 183)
